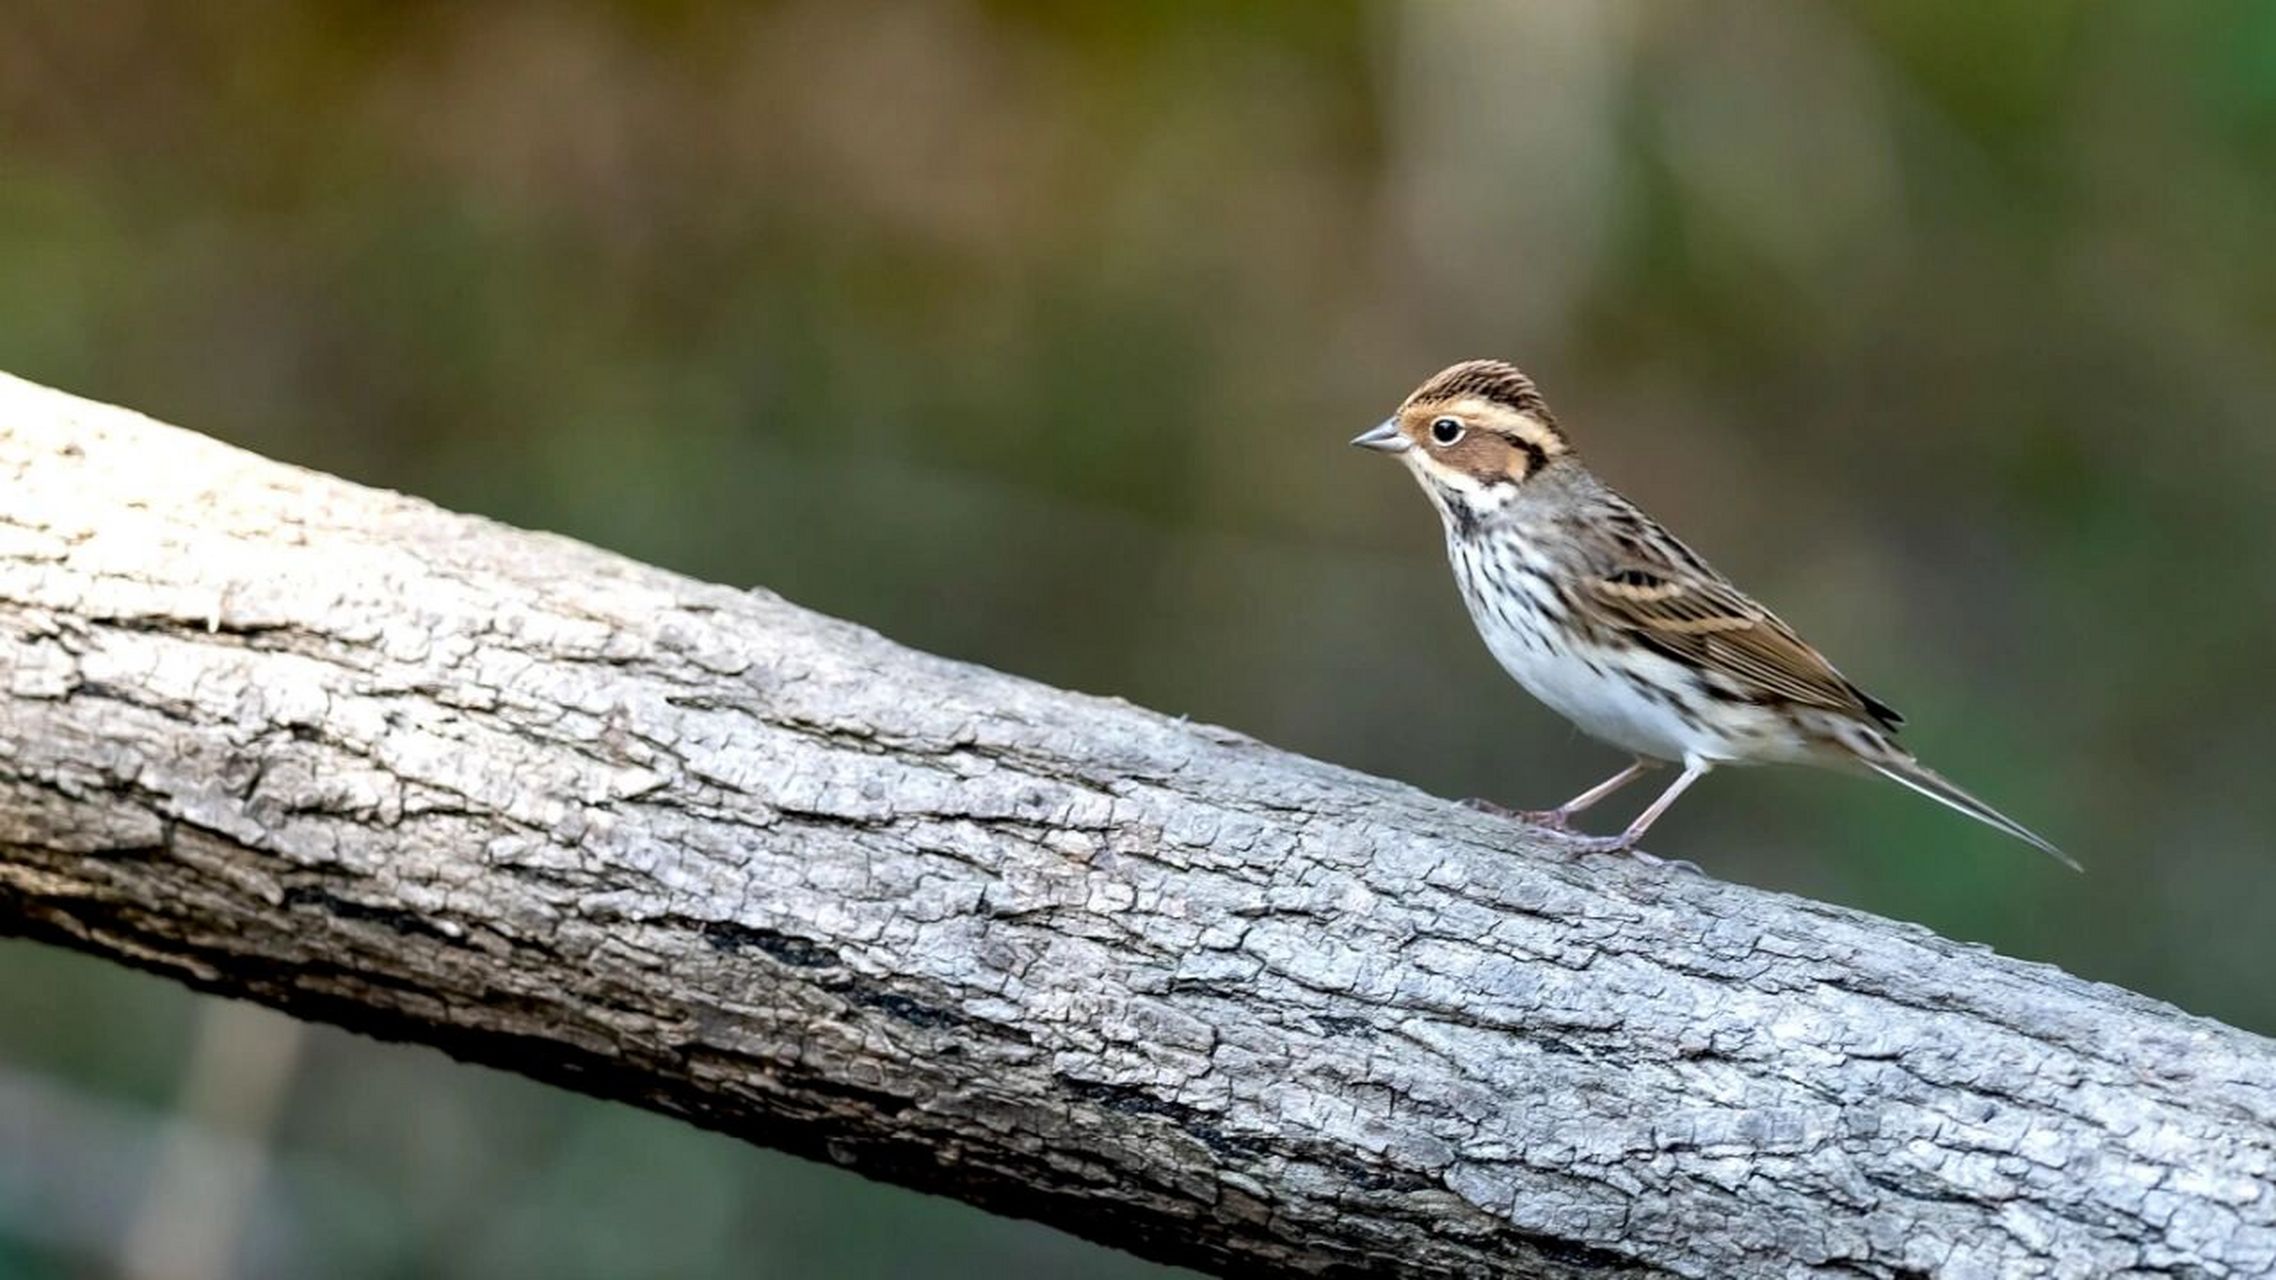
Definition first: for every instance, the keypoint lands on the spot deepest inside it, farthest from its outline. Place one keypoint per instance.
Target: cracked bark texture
(339, 751)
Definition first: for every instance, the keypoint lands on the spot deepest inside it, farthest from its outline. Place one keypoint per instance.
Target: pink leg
(1625, 842)
(1561, 817)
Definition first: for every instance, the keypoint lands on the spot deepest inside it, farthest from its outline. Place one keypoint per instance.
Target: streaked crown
(1496, 382)
(1471, 433)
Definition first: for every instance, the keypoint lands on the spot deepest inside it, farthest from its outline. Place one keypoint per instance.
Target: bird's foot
(1627, 844)
(1554, 819)
(1672, 864)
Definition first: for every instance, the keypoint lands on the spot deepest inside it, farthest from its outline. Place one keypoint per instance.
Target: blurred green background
(1032, 332)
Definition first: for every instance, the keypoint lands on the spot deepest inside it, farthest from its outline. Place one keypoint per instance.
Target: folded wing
(1706, 622)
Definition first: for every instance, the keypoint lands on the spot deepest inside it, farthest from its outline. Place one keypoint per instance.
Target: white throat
(1463, 502)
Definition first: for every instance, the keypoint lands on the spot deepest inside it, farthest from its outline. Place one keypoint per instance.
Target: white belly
(1635, 700)
(1595, 696)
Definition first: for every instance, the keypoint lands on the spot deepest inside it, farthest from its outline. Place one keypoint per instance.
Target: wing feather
(1700, 618)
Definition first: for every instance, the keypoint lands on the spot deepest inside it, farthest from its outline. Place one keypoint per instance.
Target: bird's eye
(1446, 430)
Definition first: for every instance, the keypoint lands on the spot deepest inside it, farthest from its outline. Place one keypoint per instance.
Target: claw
(1553, 819)
(1561, 821)
(1672, 864)
(1627, 844)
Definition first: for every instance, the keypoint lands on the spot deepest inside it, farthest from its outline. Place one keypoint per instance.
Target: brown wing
(1700, 619)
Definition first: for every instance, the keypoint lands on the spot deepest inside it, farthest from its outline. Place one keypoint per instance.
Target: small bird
(1616, 625)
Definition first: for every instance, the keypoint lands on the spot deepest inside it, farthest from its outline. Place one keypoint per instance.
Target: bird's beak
(1384, 437)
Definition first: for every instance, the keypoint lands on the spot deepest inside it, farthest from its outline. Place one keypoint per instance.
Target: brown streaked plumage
(1490, 380)
(1610, 620)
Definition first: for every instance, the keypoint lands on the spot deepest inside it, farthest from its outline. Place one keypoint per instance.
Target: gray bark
(335, 750)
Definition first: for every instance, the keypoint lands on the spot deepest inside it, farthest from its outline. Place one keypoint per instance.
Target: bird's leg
(1561, 817)
(1625, 842)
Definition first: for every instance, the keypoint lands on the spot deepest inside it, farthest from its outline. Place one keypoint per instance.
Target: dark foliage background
(1031, 332)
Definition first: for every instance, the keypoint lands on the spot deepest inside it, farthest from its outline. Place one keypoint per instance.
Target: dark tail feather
(1928, 782)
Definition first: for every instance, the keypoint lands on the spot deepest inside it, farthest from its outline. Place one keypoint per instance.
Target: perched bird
(1619, 627)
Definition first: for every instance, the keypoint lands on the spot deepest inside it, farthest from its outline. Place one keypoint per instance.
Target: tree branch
(431, 778)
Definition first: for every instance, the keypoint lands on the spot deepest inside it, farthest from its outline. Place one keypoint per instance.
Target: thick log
(300, 742)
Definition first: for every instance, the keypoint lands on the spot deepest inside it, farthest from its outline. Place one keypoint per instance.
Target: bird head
(1472, 435)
